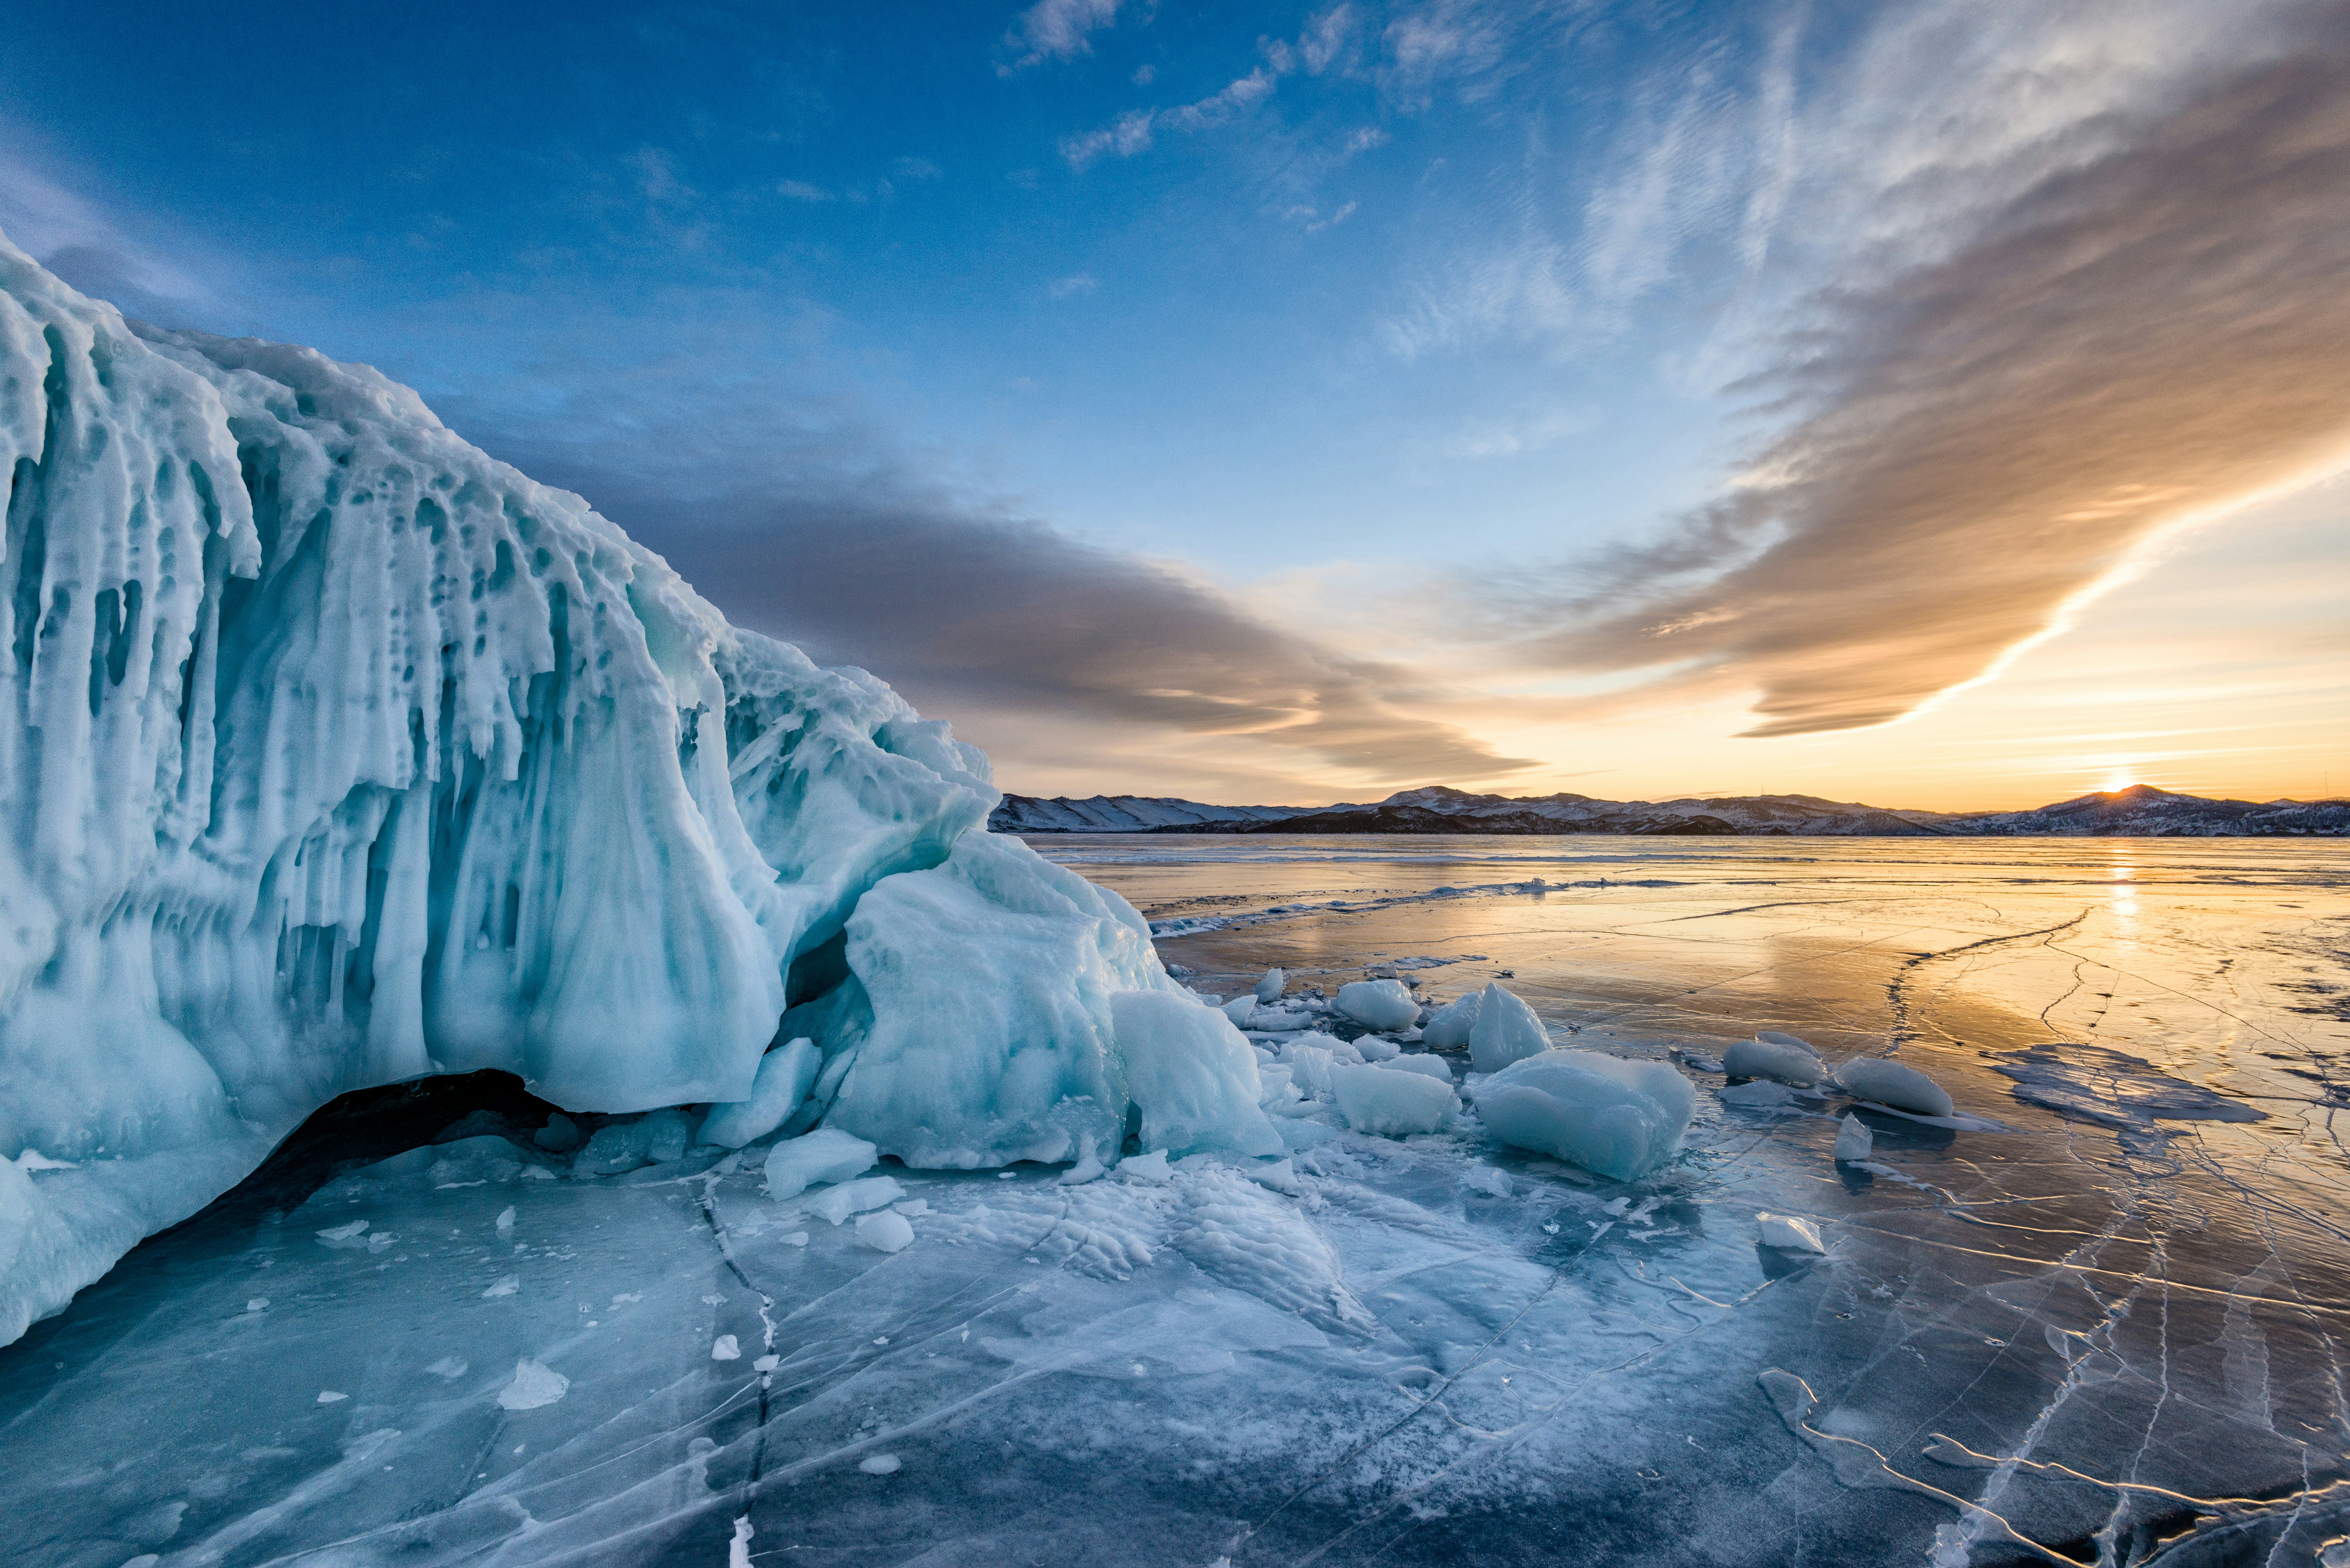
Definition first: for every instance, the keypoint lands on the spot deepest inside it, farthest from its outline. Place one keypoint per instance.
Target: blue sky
(1384, 379)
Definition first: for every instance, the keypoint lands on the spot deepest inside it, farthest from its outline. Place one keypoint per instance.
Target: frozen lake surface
(2101, 1319)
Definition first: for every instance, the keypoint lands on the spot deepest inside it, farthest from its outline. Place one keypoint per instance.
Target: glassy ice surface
(2099, 1320)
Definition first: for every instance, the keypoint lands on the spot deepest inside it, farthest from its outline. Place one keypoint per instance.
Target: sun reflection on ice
(2121, 871)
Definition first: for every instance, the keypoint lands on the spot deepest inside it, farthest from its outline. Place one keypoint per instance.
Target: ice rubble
(1506, 1029)
(339, 754)
(1449, 1027)
(1782, 1058)
(785, 1076)
(1854, 1141)
(826, 1155)
(1891, 1083)
(1382, 1100)
(1609, 1114)
(1379, 1003)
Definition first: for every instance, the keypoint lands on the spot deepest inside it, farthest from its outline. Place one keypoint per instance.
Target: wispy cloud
(2129, 316)
(1067, 287)
(1328, 35)
(1056, 30)
(1126, 136)
(801, 191)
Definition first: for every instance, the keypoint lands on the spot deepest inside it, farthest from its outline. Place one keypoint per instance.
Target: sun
(2121, 773)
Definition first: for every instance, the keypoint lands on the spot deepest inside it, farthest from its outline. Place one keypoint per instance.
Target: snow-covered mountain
(2143, 811)
(2138, 810)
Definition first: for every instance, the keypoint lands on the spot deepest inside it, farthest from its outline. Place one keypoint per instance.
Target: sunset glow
(1305, 404)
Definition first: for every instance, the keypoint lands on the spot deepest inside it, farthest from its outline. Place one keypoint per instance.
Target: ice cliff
(337, 753)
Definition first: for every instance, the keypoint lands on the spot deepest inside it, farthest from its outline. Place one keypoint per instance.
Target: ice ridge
(338, 753)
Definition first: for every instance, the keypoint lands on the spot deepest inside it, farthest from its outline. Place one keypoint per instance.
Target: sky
(1936, 404)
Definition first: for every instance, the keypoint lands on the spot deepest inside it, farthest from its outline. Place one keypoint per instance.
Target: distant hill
(2140, 811)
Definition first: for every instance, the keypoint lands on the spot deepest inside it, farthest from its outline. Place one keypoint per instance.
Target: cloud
(2139, 322)
(1126, 136)
(1223, 106)
(916, 169)
(1065, 287)
(801, 191)
(1131, 133)
(1327, 36)
(1056, 30)
(1312, 218)
(801, 517)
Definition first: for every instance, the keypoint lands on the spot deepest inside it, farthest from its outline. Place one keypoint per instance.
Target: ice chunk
(1270, 987)
(786, 1076)
(1780, 1057)
(1891, 1083)
(626, 1145)
(1239, 1010)
(331, 1397)
(1371, 1048)
(726, 1348)
(1506, 1031)
(881, 1465)
(835, 1204)
(559, 1136)
(1790, 1232)
(1760, 1095)
(506, 1223)
(1422, 1062)
(535, 1384)
(887, 1231)
(1379, 1003)
(1088, 1167)
(1381, 1100)
(826, 1155)
(1309, 1063)
(1485, 1179)
(1854, 1140)
(1619, 1117)
(1151, 1167)
(1449, 1028)
(991, 980)
(1193, 1076)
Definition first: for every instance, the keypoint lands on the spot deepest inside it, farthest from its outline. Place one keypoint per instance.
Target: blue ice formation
(1613, 1114)
(339, 753)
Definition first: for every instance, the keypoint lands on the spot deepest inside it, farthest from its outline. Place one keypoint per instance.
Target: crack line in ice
(2040, 1263)
(1948, 1450)
(1896, 989)
(2185, 996)
(1844, 1456)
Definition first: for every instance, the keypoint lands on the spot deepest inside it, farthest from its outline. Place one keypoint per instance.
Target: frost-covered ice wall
(336, 753)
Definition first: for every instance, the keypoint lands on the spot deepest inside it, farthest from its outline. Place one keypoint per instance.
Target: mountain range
(2140, 811)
